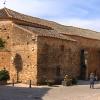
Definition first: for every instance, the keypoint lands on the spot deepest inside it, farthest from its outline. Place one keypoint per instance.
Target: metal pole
(13, 82)
(30, 84)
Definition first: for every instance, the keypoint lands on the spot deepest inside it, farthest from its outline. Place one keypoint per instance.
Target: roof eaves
(23, 28)
(6, 10)
(64, 38)
(70, 34)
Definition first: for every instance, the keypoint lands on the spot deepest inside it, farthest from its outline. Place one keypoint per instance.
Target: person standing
(92, 80)
(96, 77)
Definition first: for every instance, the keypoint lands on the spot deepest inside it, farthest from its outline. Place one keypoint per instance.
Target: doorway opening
(83, 64)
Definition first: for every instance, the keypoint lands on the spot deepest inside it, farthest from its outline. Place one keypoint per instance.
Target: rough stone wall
(5, 54)
(24, 56)
(94, 62)
(92, 46)
(56, 58)
(44, 58)
(5, 60)
(86, 42)
(5, 33)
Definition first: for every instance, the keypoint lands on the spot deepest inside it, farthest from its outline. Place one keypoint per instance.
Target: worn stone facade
(92, 47)
(38, 49)
(5, 60)
(56, 58)
(5, 54)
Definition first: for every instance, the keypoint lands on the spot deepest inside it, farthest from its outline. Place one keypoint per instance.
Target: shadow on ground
(82, 82)
(22, 93)
(96, 87)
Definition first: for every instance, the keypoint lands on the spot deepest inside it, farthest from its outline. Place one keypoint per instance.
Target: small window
(27, 65)
(7, 37)
(27, 43)
(62, 48)
(4, 29)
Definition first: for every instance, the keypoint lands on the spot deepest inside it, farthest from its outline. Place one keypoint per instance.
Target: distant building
(38, 49)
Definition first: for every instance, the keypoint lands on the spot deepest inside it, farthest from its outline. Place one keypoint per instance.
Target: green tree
(4, 75)
(2, 43)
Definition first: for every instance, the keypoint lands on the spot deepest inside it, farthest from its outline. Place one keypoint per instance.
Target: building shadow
(22, 93)
(86, 82)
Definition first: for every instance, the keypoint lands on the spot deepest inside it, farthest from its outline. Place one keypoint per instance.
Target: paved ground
(77, 92)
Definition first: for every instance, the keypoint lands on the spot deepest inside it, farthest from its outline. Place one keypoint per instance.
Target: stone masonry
(38, 50)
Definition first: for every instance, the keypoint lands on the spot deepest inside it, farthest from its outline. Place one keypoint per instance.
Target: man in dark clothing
(92, 80)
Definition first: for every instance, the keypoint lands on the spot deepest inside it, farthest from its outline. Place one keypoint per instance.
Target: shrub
(74, 81)
(69, 80)
(58, 81)
(2, 43)
(49, 82)
(4, 75)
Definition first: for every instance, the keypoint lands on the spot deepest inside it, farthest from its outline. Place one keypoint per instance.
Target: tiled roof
(5, 12)
(10, 14)
(46, 33)
(86, 33)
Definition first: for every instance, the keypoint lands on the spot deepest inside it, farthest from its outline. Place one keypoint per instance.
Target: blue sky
(79, 13)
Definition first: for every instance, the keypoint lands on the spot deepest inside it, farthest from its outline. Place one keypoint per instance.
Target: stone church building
(37, 49)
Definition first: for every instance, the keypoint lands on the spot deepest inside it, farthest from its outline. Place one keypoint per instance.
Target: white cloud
(67, 12)
(35, 7)
(93, 24)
